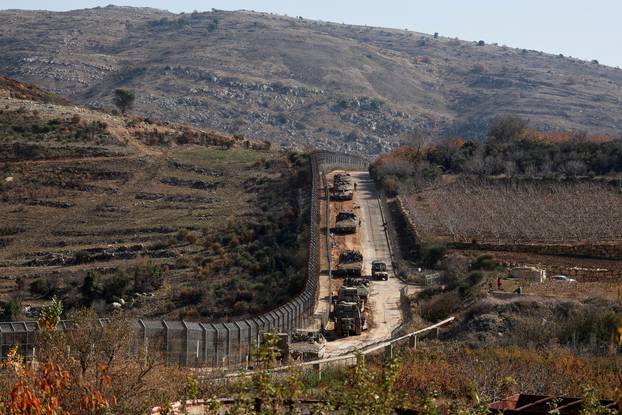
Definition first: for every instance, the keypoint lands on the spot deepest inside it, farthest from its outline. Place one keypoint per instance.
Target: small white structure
(529, 274)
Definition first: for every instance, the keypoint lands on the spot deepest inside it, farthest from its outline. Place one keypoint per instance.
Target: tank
(342, 187)
(345, 222)
(350, 264)
(307, 345)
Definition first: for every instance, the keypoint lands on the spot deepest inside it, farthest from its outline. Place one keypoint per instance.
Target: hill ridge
(304, 82)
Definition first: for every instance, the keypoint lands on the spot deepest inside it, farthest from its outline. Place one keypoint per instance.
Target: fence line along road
(386, 346)
(224, 345)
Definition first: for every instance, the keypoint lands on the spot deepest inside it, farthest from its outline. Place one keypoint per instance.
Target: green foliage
(432, 254)
(391, 186)
(429, 405)
(428, 293)
(369, 392)
(263, 392)
(591, 404)
(213, 25)
(45, 287)
(10, 310)
(123, 99)
(116, 286)
(89, 285)
(440, 306)
(510, 148)
(148, 277)
(190, 296)
(191, 391)
(508, 128)
(51, 314)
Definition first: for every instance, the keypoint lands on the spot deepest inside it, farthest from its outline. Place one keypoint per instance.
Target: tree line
(510, 148)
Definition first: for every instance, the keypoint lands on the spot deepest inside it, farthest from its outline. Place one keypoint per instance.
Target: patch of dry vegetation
(518, 211)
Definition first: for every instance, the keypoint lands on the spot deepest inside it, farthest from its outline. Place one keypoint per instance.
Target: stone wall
(611, 250)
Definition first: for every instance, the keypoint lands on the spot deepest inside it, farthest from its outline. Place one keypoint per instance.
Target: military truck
(345, 222)
(361, 285)
(350, 264)
(379, 271)
(350, 295)
(306, 345)
(349, 319)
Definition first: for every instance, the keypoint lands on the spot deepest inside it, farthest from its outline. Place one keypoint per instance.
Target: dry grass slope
(147, 208)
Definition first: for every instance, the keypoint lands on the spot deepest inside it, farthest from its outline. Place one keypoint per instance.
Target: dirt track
(384, 300)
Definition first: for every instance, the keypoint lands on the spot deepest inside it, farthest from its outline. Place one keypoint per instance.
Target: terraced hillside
(301, 82)
(162, 219)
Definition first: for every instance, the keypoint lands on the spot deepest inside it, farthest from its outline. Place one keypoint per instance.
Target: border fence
(227, 344)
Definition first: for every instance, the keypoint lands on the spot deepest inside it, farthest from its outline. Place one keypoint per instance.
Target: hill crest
(300, 82)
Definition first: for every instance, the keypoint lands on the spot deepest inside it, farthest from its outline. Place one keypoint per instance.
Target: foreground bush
(87, 369)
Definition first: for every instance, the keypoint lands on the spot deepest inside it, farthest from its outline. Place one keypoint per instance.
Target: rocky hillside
(300, 82)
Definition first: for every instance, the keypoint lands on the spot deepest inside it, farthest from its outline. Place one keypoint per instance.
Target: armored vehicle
(361, 284)
(350, 264)
(345, 222)
(342, 187)
(307, 345)
(350, 295)
(349, 320)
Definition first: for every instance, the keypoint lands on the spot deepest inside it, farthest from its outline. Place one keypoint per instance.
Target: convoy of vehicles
(349, 301)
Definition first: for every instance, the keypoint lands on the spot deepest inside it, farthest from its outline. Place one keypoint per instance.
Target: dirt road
(384, 300)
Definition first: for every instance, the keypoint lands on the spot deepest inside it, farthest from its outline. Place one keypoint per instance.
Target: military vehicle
(342, 187)
(350, 295)
(307, 345)
(349, 320)
(379, 271)
(345, 222)
(361, 284)
(350, 264)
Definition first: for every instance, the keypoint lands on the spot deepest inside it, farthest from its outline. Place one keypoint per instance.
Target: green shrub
(148, 277)
(117, 286)
(428, 293)
(89, 285)
(10, 310)
(44, 287)
(431, 255)
(190, 296)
